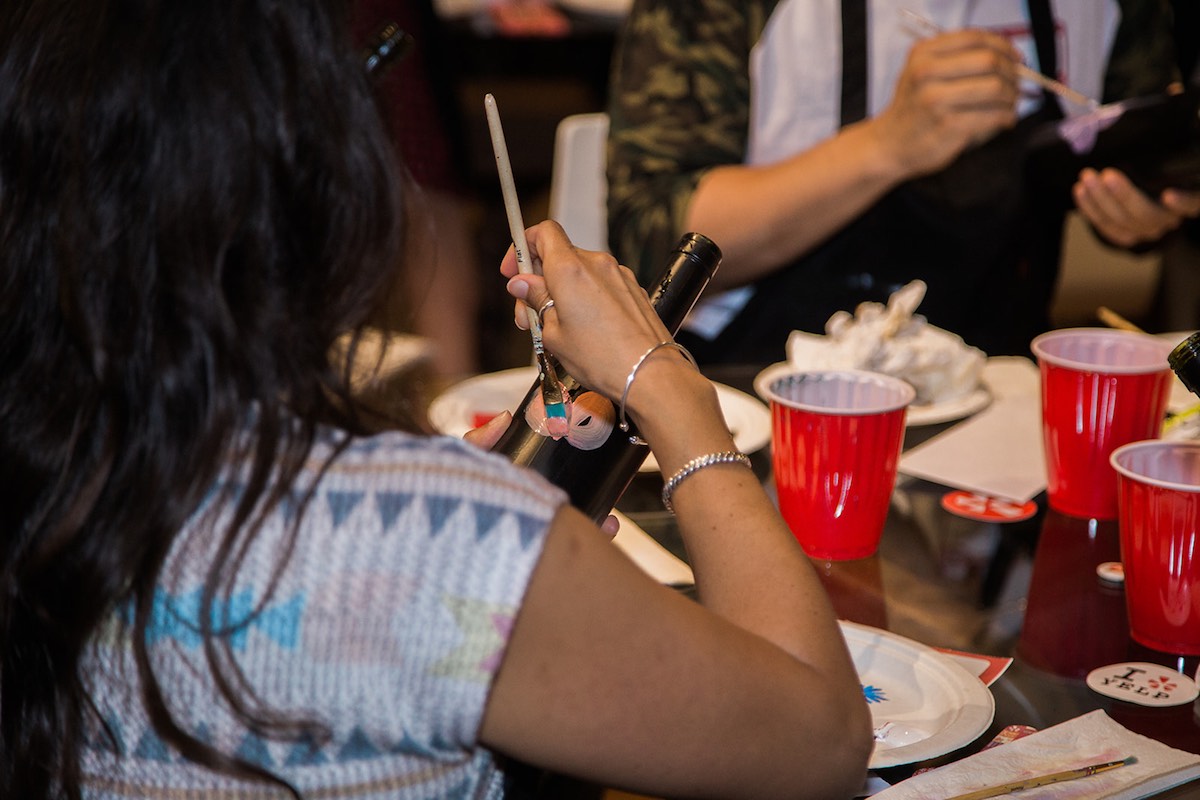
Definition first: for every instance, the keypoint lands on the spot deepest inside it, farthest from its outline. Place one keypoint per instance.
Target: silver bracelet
(624, 423)
(697, 464)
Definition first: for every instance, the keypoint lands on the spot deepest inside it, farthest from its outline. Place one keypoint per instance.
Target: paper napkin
(1089, 739)
(997, 452)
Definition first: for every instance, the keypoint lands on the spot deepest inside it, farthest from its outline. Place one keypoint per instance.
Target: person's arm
(956, 89)
(679, 112)
(611, 677)
(679, 105)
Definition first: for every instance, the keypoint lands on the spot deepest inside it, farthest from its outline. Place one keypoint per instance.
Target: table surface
(1028, 590)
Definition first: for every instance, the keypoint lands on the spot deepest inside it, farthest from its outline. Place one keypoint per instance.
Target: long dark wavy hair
(196, 198)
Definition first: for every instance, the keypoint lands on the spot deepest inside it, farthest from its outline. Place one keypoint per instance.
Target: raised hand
(956, 89)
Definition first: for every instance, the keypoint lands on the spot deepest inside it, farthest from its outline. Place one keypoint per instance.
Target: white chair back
(578, 188)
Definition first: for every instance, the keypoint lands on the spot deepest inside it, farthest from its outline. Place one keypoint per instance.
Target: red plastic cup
(1101, 388)
(835, 445)
(1160, 542)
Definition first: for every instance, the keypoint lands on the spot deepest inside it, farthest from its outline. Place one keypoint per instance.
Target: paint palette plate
(472, 402)
(923, 703)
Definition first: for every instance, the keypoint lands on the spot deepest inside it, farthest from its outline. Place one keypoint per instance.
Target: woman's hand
(601, 321)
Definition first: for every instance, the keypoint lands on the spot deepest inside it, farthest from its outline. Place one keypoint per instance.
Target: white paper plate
(923, 704)
(454, 411)
(935, 413)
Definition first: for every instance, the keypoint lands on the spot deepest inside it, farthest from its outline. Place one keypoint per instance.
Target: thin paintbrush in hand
(928, 27)
(552, 392)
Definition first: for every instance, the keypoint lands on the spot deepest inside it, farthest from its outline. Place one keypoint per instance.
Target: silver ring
(541, 313)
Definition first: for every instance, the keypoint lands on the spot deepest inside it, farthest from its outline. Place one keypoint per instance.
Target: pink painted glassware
(835, 446)
(1101, 388)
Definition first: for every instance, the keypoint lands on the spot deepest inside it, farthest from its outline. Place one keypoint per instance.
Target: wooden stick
(1114, 320)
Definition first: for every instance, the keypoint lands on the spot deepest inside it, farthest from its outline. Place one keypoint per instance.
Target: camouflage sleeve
(679, 105)
(1142, 60)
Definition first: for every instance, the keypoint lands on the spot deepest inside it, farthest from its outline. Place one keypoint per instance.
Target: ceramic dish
(472, 402)
(923, 704)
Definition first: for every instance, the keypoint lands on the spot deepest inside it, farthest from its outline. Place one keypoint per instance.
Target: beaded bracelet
(624, 423)
(697, 464)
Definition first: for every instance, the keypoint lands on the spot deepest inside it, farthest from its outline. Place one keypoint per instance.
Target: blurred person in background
(837, 150)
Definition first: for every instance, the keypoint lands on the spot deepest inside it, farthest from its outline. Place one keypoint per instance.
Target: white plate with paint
(472, 402)
(923, 703)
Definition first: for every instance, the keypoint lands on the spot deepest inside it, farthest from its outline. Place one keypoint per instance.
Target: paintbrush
(552, 391)
(929, 27)
(1054, 777)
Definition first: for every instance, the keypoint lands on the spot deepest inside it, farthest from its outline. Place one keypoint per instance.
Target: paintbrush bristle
(553, 400)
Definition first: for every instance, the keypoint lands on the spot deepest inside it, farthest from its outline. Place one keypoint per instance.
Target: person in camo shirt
(836, 151)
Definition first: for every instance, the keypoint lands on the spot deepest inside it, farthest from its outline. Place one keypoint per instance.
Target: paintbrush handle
(1057, 87)
(1041, 780)
(512, 206)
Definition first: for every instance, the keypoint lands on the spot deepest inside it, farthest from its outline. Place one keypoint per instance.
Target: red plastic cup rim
(901, 392)
(1125, 461)
(1149, 356)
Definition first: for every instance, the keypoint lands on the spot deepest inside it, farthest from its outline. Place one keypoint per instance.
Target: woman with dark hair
(214, 583)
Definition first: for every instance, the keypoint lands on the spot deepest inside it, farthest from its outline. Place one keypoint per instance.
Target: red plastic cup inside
(1159, 524)
(835, 446)
(1101, 388)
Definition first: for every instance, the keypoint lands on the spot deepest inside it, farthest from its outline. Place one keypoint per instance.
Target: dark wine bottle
(595, 479)
(1185, 360)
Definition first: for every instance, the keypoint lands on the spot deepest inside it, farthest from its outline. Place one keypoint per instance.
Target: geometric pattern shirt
(387, 625)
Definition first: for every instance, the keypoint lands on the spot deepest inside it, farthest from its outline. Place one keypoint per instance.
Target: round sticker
(1143, 683)
(1111, 572)
(987, 509)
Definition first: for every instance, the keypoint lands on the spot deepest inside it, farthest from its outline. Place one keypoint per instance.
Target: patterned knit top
(387, 625)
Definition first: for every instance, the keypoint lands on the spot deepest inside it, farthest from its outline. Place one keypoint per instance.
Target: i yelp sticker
(1143, 683)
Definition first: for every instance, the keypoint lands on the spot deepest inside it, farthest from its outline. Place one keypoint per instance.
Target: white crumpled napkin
(1089, 739)
(655, 560)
